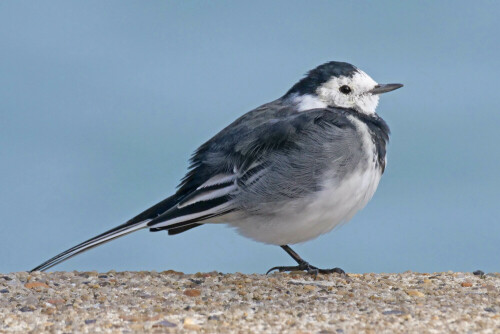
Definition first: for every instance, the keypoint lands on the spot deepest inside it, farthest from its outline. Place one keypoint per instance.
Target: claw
(283, 268)
(331, 271)
(272, 269)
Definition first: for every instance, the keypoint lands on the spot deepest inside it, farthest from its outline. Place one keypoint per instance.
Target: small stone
(205, 275)
(7, 278)
(172, 272)
(139, 317)
(490, 309)
(478, 273)
(309, 287)
(90, 321)
(165, 323)
(489, 287)
(415, 293)
(391, 312)
(214, 317)
(49, 310)
(129, 317)
(321, 318)
(29, 308)
(4, 291)
(107, 325)
(36, 285)
(189, 324)
(55, 301)
(137, 327)
(192, 292)
(466, 284)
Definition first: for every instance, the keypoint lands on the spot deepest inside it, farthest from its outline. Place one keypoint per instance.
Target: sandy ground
(163, 302)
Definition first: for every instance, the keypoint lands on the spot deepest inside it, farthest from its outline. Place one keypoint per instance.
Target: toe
(332, 271)
(272, 269)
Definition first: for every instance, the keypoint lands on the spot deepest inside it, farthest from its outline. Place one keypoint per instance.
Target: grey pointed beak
(384, 88)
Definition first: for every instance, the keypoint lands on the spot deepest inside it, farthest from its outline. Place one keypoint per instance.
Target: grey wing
(268, 155)
(324, 145)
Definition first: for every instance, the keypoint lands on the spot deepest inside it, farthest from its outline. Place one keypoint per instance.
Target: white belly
(302, 220)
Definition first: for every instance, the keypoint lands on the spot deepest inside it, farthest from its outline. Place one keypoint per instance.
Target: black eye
(345, 89)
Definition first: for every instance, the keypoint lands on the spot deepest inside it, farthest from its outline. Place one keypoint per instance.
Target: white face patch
(308, 102)
(359, 98)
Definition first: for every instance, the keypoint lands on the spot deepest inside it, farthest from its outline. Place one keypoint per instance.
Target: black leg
(303, 265)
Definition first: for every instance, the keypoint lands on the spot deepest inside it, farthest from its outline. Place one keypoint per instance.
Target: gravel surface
(169, 301)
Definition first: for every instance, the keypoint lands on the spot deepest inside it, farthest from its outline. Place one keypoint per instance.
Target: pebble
(36, 285)
(189, 324)
(192, 292)
(29, 308)
(397, 312)
(165, 323)
(170, 301)
(55, 301)
(415, 293)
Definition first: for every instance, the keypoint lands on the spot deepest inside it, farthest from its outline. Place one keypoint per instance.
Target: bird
(283, 173)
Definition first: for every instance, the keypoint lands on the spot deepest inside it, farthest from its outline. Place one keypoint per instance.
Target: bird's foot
(305, 266)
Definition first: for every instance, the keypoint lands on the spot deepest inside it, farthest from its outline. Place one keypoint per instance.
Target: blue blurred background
(102, 103)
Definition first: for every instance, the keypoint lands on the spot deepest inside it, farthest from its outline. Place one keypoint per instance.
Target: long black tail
(176, 214)
(114, 233)
(138, 222)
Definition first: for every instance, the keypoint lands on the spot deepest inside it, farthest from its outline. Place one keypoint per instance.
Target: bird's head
(337, 84)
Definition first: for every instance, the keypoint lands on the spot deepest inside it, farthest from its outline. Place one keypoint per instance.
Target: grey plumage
(297, 148)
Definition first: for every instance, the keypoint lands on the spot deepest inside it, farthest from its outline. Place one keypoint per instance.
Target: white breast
(305, 219)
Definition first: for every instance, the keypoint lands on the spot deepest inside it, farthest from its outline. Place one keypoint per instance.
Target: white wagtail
(283, 173)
